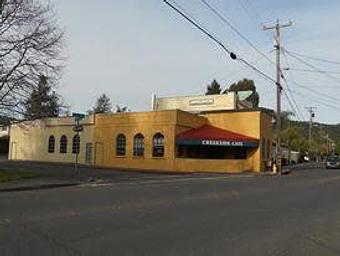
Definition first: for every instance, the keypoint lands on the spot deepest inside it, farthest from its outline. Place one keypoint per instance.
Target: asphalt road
(297, 214)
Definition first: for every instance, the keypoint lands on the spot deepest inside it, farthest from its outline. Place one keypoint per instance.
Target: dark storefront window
(211, 152)
(240, 153)
(158, 145)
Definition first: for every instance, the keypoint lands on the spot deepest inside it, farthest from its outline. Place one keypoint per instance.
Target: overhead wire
(314, 71)
(229, 24)
(318, 100)
(317, 58)
(288, 94)
(293, 108)
(255, 11)
(290, 91)
(205, 31)
(181, 11)
(330, 99)
(311, 66)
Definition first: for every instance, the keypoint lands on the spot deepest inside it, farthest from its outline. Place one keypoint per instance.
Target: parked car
(333, 162)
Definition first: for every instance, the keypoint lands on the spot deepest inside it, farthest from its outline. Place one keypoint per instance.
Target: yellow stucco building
(52, 140)
(171, 140)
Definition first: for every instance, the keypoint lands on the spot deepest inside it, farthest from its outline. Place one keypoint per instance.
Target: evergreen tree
(43, 102)
(213, 88)
(246, 85)
(103, 105)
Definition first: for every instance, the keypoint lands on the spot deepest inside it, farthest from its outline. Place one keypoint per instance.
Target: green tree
(31, 44)
(246, 85)
(103, 105)
(121, 109)
(43, 101)
(213, 88)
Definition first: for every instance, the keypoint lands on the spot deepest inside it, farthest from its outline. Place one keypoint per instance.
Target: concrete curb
(38, 187)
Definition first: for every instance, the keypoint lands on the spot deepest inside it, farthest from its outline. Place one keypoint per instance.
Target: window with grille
(51, 144)
(138, 145)
(121, 145)
(76, 144)
(63, 144)
(158, 145)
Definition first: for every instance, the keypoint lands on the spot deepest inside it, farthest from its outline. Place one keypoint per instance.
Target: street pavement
(295, 214)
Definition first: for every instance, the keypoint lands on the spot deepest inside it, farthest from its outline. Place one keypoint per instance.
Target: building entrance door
(89, 153)
(99, 153)
(13, 152)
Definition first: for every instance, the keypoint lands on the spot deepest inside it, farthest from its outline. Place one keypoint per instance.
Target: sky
(133, 48)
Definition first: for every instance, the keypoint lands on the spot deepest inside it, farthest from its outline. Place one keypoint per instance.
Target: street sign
(77, 128)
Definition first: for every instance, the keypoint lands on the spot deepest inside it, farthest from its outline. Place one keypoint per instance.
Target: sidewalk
(35, 184)
(50, 175)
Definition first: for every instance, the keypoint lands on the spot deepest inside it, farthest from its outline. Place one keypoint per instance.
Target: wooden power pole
(312, 115)
(277, 46)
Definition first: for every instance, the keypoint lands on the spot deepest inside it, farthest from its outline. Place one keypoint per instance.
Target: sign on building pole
(77, 129)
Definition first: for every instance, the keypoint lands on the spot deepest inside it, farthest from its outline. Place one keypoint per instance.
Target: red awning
(211, 133)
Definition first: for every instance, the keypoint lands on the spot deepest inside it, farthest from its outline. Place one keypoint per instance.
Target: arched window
(63, 144)
(76, 144)
(51, 144)
(158, 145)
(120, 145)
(138, 145)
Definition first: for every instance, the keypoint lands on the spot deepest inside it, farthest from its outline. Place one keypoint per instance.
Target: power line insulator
(233, 56)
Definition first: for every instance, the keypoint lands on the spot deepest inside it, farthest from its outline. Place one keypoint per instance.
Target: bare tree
(31, 44)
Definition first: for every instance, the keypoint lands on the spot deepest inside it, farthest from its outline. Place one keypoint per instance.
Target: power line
(314, 71)
(198, 26)
(312, 66)
(336, 101)
(257, 14)
(317, 58)
(289, 89)
(309, 89)
(318, 100)
(227, 22)
(232, 55)
(293, 108)
(299, 113)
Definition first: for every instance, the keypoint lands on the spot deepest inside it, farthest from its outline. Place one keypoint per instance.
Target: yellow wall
(170, 123)
(254, 123)
(29, 140)
(129, 124)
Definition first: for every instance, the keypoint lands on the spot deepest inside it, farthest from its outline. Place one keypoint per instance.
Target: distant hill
(320, 130)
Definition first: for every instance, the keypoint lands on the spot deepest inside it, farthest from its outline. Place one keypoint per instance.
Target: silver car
(333, 162)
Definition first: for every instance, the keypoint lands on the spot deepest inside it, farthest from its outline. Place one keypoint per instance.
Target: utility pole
(312, 115)
(327, 138)
(277, 46)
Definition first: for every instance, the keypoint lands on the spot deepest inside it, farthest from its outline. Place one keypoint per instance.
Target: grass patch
(15, 175)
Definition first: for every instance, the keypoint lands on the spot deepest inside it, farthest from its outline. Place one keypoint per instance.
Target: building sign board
(222, 143)
(201, 102)
(196, 104)
(218, 143)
